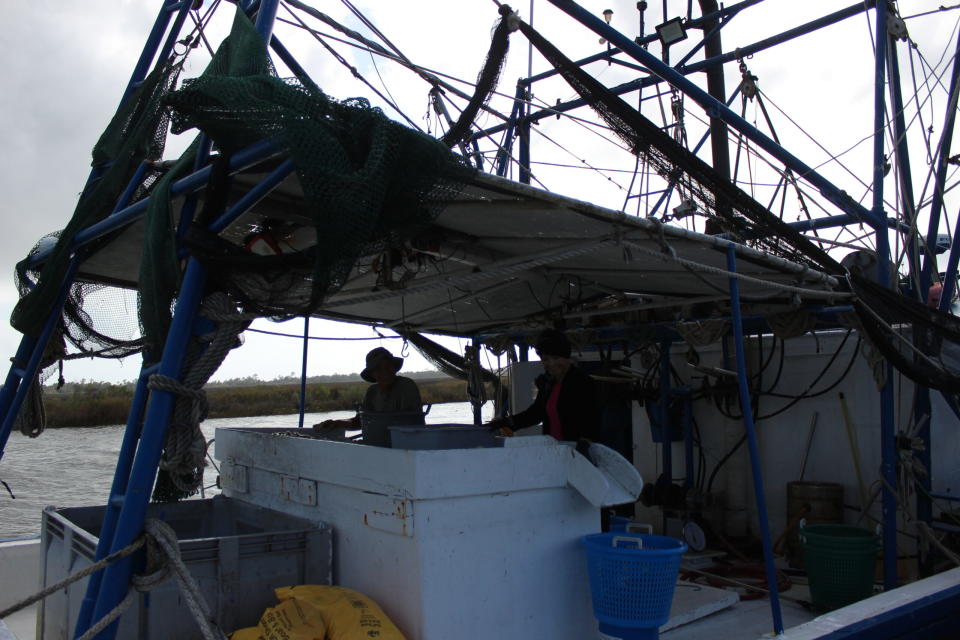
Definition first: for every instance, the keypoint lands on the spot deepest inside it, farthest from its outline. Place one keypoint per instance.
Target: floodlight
(671, 32)
(607, 16)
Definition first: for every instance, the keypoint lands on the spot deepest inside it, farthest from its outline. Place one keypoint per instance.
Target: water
(73, 467)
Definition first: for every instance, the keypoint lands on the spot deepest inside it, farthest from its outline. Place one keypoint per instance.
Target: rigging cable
(354, 71)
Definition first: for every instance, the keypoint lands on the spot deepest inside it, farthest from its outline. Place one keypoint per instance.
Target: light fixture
(671, 32)
(607, 16)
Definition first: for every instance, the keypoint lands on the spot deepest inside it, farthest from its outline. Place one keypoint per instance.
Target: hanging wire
(582, 160)
(356, 73)
(379, 336)
(939, 9)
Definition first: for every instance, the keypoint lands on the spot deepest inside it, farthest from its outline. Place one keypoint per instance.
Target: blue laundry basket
(632, 579)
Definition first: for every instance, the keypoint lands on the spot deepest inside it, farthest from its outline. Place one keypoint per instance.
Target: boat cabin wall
(783, 432)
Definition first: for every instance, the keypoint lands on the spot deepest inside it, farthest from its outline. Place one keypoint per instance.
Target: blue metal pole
(503, 154)
(477, 408)
(950, 282)
(902, 150)
(12, 384)
(688, 438)
(303, 369)
(193, 182)
(174, 31)
(121, 477)
(116, 577)
(523, 131)
(266, 15)
(666, 451)
(936, 206)
(745, 404)
(253, 196)
(715, 108)
(287, 58)
(888, 452)
(29, 372)
(149, 51)
(922, 411)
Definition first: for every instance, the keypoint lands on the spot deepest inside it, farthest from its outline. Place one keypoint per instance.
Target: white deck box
(460, 543)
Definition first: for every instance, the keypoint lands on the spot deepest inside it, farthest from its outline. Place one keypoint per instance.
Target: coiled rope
(185, 449)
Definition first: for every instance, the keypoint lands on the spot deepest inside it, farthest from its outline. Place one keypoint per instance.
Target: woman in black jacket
(566, 402)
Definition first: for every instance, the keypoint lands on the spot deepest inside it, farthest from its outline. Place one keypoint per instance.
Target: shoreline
(96, 405)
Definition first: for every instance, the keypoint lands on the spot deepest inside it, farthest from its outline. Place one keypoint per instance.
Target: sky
(68, 63)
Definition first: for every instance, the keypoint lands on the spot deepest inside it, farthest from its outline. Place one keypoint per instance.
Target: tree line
(88, 404)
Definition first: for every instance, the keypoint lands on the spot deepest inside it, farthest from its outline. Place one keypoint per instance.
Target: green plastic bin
(840, 561)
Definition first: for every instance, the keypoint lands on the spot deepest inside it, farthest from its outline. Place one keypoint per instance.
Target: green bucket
(840, 562)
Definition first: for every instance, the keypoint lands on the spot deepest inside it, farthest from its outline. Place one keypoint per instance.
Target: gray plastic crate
(375, 425)
(443, 436)
(237, 552)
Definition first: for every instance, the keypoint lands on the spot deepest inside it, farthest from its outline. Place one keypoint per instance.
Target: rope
(811, 293)
(185, 449)
(876, 361)
(300, 337)
(80, 575)
(163, 561)
(163, 538)
(112, 615)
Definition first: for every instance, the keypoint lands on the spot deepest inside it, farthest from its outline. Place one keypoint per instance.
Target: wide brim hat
(553, 342)
(374, 358)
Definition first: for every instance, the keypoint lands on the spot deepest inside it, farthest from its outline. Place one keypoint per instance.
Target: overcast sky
(68, 62)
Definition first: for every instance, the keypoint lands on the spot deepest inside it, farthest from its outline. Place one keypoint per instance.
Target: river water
(73, 467)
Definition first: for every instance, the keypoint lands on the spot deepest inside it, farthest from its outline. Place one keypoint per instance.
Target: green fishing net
(367, 182)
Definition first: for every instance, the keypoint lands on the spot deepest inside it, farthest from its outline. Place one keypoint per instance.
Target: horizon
(353, 376)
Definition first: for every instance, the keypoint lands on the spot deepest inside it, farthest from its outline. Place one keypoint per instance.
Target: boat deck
(747, 619)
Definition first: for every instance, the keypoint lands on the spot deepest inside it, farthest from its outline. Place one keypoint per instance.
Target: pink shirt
(553, 414)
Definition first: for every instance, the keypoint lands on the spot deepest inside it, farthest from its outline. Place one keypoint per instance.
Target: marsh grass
(92, 404)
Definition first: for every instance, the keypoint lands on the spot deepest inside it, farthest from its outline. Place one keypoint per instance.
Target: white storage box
(458, 543)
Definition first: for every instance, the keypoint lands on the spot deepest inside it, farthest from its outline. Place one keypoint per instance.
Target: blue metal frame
(141, 449)
(745, 404)
(950, 283)
(666, 451)
(888, 451)
(696, 67)
(118, 490)
(137, 465)
(22, 375)
(116, 577)
(716, 109)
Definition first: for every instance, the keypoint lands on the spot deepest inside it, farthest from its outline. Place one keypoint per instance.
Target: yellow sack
(289, 620)
(315, 612)
(348, 614)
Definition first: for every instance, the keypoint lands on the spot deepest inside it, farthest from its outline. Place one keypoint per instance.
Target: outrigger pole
(129, 500)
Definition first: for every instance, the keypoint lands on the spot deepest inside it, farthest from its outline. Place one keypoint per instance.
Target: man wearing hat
(566, 402)
(390, 393)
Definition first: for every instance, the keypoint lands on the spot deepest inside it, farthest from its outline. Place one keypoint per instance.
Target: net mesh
(135, 135)
(367, 182)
